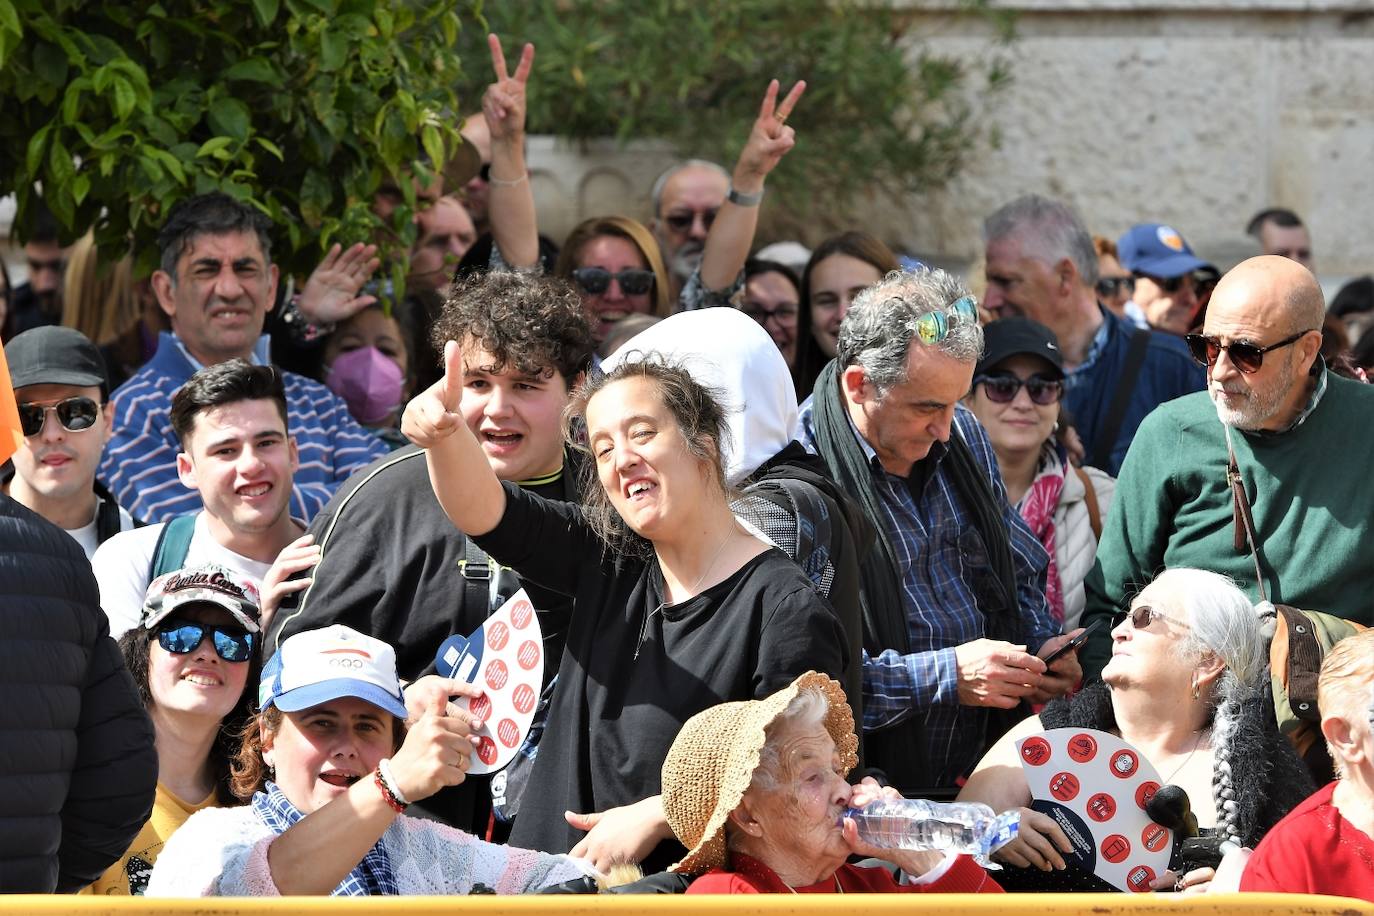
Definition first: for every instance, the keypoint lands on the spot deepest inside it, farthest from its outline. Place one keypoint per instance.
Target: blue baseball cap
(1157, 250)
(316, 666)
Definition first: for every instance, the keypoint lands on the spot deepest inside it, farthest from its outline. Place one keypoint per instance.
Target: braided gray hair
(1224, 623)
(877, 332)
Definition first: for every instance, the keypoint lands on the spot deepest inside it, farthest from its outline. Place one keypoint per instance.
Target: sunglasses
(1108, 287)
(596, 280)
(1172, 284)
(1002, 388)
(75, 414)
(783, 314)
(1246, 357)
(933, 327)
(233, 644)
(1144, 615)
(681, 222)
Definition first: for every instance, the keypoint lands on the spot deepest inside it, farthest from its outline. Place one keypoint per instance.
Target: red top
(1314, 850)
(750, 876)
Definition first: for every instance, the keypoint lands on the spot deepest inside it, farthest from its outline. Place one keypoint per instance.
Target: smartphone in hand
(1073, 644)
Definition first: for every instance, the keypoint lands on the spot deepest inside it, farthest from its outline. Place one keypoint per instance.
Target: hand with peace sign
(510, 207)
(463, 481)
(503, 104)
(732, 233)
(769, 139)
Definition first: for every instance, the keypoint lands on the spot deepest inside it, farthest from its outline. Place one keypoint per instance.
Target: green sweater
(1312, 500)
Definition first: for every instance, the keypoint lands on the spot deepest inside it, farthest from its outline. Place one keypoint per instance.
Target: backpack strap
(1101, 454)
(107, 521)
(814, 532)
(1090, 497)
(173, 543)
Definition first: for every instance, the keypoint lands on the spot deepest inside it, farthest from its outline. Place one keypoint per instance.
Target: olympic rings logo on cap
(353, 663)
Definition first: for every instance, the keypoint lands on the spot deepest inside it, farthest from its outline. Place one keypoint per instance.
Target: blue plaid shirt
(371, 878)
(940, 554)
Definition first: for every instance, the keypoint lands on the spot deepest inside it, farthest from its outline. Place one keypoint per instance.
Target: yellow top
(129, 876)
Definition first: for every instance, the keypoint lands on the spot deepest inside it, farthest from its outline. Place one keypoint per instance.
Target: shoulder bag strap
(173, 543)
(1244, 521)
(1101, 454)
(1090, 498)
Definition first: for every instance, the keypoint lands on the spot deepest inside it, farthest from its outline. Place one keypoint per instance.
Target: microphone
(1170, 807)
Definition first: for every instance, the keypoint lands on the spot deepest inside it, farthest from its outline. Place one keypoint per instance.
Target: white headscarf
(730, 352)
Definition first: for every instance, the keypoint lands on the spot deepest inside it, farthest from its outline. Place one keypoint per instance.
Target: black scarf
(885, 624)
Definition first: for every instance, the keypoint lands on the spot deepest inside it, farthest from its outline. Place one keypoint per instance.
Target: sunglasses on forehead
(933, 327)
(1246, 357)
(596, 280)
(1001, 388)
(180, 637)
(75, 414)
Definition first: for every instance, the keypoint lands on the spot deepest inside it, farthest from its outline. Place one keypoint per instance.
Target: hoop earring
(1197, 690)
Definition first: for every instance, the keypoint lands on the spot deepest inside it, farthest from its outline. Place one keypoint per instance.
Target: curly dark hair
(534, 323)
(136, 644)
(700, 418)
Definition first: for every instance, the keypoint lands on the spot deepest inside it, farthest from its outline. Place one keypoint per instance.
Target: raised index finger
(498, 57)
(790, 101)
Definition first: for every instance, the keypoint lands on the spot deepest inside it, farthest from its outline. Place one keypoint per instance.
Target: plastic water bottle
(913, 823)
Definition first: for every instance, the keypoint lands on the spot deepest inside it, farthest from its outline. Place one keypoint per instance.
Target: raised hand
(769, 139)
(298, 556)
(433, 414)
(503, 104)
(331, 293)
(437, 753)
(432, 695)
(624, 834)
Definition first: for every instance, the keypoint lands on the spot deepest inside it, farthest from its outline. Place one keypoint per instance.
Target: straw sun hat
(713, 758)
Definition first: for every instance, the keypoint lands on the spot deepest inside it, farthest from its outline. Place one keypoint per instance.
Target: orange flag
(11, 436)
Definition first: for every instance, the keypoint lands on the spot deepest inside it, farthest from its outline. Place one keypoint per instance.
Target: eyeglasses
(55, 265)
(933, 327)
(681, 222)
(75, 414)
(233, 644)
(783, 314)
(1247, 357)
(1143, 615)
(1002, 388)
(1107, 287)
(596, 280)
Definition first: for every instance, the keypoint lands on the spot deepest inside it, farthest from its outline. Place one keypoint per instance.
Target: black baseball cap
(54, 355)
(1007, 337)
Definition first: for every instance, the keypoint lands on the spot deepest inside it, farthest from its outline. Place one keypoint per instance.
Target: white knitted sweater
(222, 852)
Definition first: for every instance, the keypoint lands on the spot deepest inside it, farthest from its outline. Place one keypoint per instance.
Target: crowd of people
(787, 518)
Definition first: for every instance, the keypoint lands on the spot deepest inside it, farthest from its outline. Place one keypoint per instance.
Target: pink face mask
(369, 381)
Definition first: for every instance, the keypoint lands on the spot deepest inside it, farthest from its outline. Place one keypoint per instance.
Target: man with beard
(38, 301)
(685, 200)
(1296, 430)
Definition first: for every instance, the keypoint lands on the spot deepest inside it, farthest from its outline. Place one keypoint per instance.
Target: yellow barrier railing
(740, 905)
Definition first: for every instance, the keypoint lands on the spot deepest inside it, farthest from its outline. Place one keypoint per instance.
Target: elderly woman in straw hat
(756, 791)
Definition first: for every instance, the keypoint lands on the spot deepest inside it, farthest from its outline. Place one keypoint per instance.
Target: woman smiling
(678, 607)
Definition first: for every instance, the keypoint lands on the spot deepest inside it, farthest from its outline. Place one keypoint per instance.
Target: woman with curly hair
(677, 606)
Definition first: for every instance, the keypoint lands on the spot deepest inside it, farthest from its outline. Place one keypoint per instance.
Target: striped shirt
(140, 461)
(942, 560)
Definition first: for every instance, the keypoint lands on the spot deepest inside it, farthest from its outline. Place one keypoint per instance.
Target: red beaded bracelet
(387, 795)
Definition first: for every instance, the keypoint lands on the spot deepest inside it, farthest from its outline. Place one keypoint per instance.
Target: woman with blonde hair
(115, 311)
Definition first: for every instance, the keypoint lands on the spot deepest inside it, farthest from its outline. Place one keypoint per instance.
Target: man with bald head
(1300, 434)
(685, 200)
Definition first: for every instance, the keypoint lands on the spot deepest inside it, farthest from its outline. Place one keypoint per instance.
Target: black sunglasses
(233, 644)
(1247, 357)
(1002, 388)
(596, 280)
(1170, 285)
(1142, 616)
(75, 414)
(681, 222)
(1109, 286)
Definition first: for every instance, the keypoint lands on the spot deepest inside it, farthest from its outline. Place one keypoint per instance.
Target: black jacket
(77, 763)
(391, 567)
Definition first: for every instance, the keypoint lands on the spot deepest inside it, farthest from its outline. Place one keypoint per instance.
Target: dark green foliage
(303, 107)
